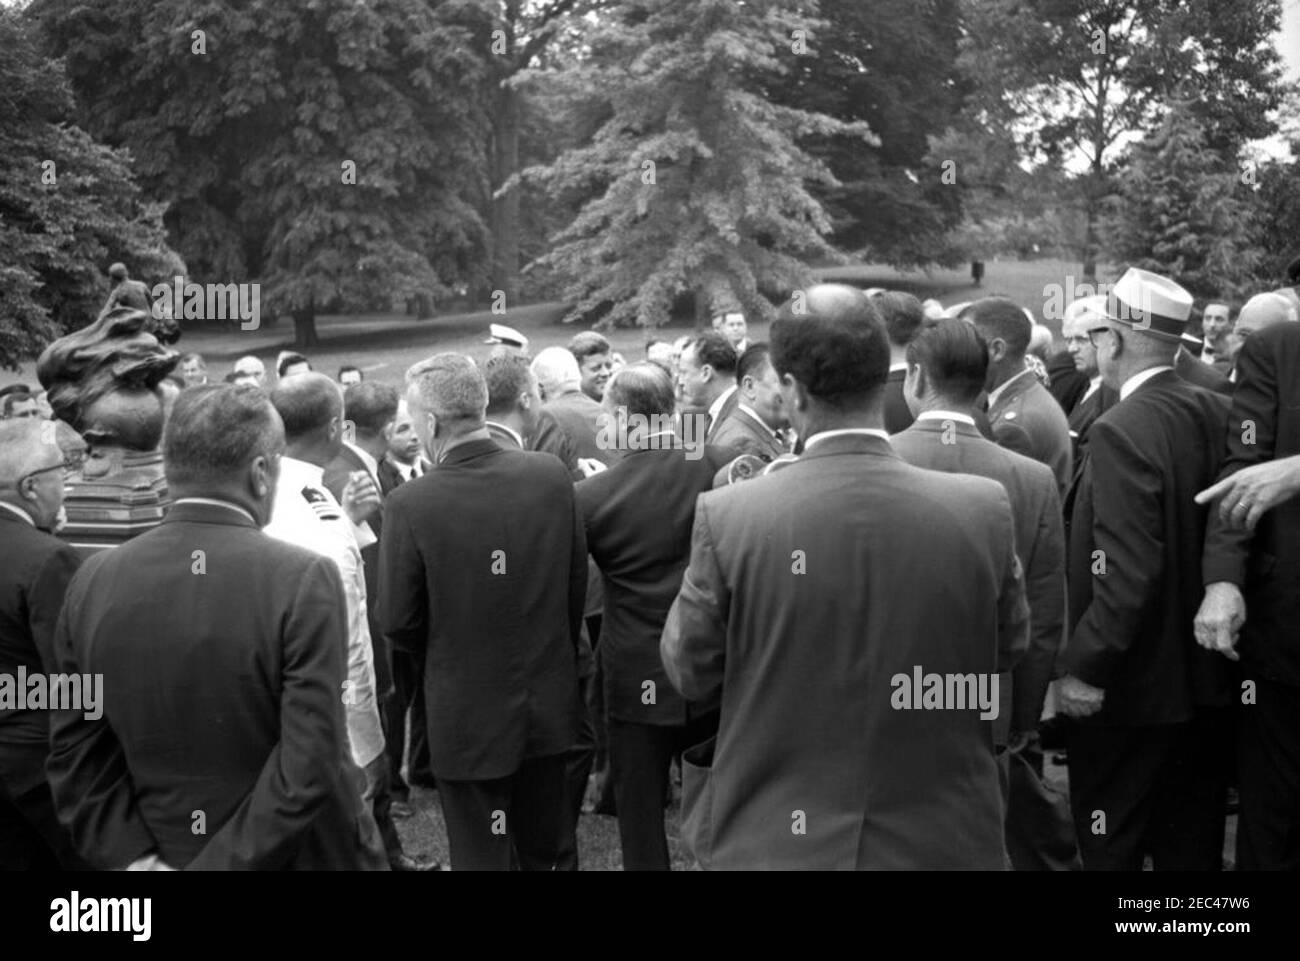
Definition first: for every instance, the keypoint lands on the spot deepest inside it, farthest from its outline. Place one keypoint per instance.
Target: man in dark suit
(904, 316)
(1025, 418)
(222, 742)
(514, 404)
(1216, 331)
(1096, 397)
(706, 376)
(947, 369)
(753, 425)
(1148, 759)
(815, 598)
(35, 568)
(1250, 568)
(1200, 375)
(493, 590)
(638, 521)
(941, 387)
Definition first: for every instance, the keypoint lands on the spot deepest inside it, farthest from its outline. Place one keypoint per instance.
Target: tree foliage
(69, 206)
(700, 182)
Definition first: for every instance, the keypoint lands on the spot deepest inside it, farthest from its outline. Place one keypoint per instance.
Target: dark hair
(643, 388)
(1000, 317)
(955, 359)
(347, 367)
(584, 344)
(306, 404)
(831, 339)
(751, 361)
(902, 313)
(215, 431)
(231, 377)
(507, 376)
(13, 398)
(715, 350)
(371, 406)
(288, 360)
(15, 389)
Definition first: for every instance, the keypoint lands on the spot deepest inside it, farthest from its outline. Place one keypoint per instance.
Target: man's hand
(1076, 698)
(1218, 622)
(1245, 496)
(150, 862)
(590, 466)
(360, 497)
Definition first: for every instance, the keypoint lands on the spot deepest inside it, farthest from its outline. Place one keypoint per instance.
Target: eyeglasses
(71, 465)
(1092, 334)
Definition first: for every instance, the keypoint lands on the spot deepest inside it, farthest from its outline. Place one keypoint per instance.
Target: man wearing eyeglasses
(1148, 758)
(35, 568)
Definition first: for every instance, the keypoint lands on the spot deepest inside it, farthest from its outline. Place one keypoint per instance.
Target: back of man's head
(117, 272)
(288, 360)
(834, 344)
(902, 313)
(557, 371)
(752, 361)
(451, 388)
(307, 403)
(370, 406)
(955, 360)
(643, 388)
(715, 350)
(999, 318)
(215, 432)
(507, 376)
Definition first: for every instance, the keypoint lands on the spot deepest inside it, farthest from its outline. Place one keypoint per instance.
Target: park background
(396, 175)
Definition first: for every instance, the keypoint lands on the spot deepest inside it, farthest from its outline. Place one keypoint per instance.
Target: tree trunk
(505, 209)
(304, 328)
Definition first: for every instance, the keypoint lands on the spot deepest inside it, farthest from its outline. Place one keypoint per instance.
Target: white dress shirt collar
(998, 391)
(514, 434)
(1140, 378)
(213, 502)
(15, 509)
(754, 414)
(946, 415)
(901, 365)
(716, 407)
(820, 436)
(300, 472)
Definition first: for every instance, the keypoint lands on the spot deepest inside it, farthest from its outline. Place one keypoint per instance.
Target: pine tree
(701, 184)
(1183, 211)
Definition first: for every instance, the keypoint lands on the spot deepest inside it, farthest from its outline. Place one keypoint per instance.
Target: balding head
(224, 441)
(311, 406)
(31, 469)
(557, 372)
(643, 389)
(1264, 310)
(831, 339)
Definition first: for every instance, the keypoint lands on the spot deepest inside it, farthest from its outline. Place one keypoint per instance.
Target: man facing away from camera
(222, 743)
(812, 596)
(493, 591)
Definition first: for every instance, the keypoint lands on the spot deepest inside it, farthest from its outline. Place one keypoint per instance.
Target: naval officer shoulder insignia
(321, 504)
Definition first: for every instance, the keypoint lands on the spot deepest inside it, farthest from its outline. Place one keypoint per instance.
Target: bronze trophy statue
(103, 382)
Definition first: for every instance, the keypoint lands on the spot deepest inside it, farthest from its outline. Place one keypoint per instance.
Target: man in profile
(896, 572)
(222, 743)
(755, 424)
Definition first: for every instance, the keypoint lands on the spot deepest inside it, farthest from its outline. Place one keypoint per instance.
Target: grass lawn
(384, 345)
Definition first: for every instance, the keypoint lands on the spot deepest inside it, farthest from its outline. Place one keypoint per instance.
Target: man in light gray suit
(817, 601)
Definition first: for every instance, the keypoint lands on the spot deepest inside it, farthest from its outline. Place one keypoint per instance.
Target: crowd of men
(861, 582)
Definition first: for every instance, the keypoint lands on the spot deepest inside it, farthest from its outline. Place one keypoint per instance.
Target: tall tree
(68, 206)
(325, 150)
(893, 65)
(701, 184)
(1183, 212)
(1077, 79)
